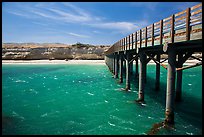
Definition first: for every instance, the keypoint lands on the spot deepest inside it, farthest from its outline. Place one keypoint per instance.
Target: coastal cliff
(35, 51)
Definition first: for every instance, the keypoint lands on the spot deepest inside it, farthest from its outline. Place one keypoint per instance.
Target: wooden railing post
(125, 43)
(153, 34)
(129, 42)
(121, 45)
(145, 36)
(132, 41)
(136, 41)
(140, 38)
(188, 24)
(172, 28)
(161, 31)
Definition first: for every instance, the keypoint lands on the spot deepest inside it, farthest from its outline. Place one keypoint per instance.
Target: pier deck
(177, 36)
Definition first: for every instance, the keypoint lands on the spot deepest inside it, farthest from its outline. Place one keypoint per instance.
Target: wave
(20, 81)
(111, 124)
(90, 93)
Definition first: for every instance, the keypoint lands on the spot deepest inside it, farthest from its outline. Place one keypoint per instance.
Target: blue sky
(86, 22)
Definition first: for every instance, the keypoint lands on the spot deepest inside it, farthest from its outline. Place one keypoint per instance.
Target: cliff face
(29, 52)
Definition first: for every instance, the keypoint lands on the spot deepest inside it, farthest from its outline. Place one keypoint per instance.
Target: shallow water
(85, 99)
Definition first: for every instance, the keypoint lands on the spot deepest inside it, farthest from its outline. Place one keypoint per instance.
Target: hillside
(32, 51)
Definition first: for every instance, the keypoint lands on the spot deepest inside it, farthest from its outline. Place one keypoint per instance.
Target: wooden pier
(178, 36)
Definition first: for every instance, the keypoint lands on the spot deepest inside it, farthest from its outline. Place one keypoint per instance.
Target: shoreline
(101, 62)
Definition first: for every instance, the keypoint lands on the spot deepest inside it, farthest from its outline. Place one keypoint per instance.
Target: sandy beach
(101, 62)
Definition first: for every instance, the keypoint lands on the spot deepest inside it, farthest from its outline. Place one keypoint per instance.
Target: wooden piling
(131, 64)
(136, 67)
(179, 78)
(127, 72)
(170, 86)
(121, 68)
(113, 63)
(157, 83)
(141, 77)
(145, 68)
(116, 66)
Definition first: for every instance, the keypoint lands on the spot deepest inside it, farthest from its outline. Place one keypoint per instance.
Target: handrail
(180, 25)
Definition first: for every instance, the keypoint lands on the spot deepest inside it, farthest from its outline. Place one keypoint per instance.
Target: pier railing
(183, 26)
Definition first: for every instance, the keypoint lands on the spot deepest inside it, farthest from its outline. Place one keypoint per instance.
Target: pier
(178, 37)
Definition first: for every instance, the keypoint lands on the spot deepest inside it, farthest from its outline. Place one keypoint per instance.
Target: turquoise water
(85, 99)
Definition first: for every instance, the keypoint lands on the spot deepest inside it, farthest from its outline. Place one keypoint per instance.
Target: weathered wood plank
(166, 19)
(167, 23)
(196, 12)
(180, 18)
(180, 13)
(196, 6)
(157, 23)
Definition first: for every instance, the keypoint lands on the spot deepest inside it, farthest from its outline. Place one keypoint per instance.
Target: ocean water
(87, 100)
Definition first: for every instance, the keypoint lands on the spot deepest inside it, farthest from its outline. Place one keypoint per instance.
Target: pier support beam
(145, 68)
(141, 77)
(179, 78)
(113, 63)
(136, 67)
(131, 65)
(124, 66)
(157, 83)
(116, 65)
(121, 68)
(169, 119)
(127, 72)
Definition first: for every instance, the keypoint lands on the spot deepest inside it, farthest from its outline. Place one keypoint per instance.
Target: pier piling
(136, 67)
(141, 77)
(121, 68)
(127, 72)
(113, 64)
(157, 83)
(131, 64)
(179, 78)
(116, 65)
(170, 86)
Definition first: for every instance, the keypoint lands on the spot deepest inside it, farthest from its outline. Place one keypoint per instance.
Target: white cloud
(115, 25)
(78, 15)
(78, 35)
(68, 17)
(97, 32)
(19, 14)
(148, 5)
(38, 23)
(121, 27)
(80, 11)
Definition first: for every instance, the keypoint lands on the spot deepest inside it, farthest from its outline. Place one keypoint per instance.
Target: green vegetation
(79, 45)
